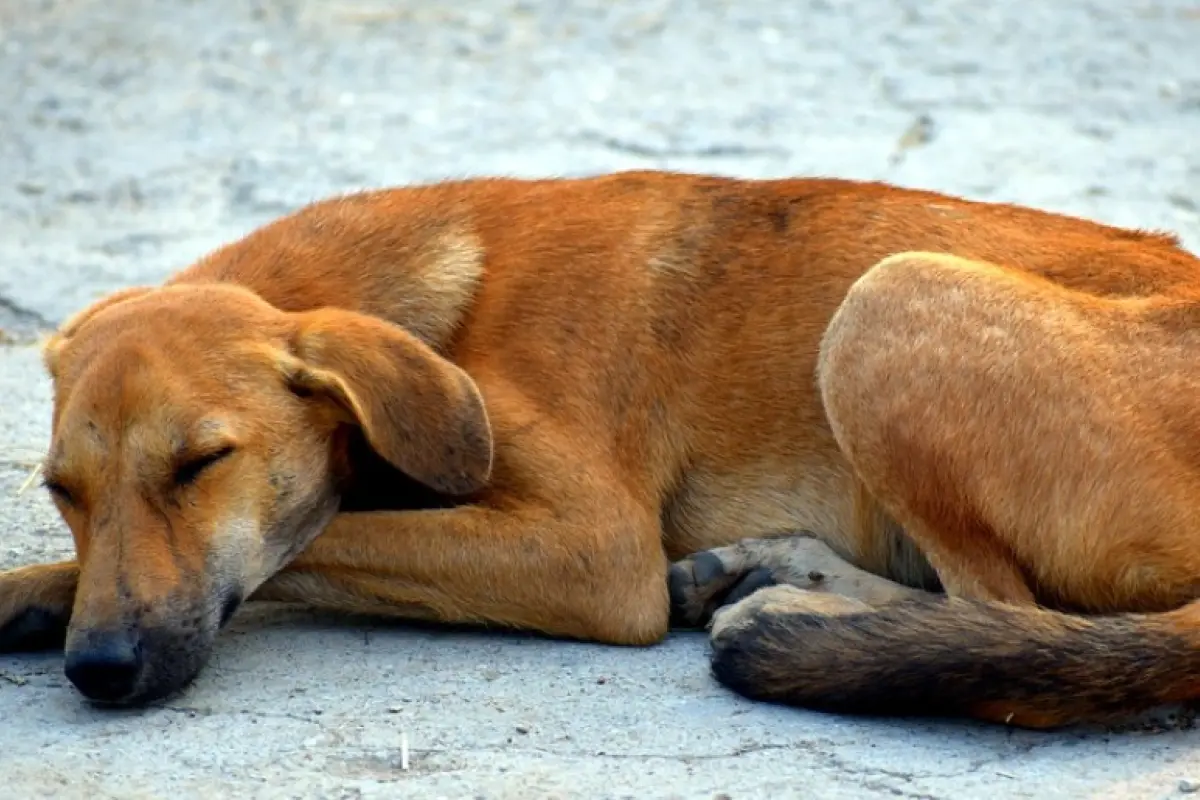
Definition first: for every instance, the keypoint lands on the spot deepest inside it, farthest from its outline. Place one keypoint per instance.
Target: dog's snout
(105, 665)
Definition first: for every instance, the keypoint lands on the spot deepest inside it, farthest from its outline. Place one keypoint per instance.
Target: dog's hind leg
(1013, 428)
(949, 384)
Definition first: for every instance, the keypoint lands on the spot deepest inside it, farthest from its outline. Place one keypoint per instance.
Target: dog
(900, 452)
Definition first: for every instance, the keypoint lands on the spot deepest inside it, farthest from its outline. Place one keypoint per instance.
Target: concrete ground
(136, 135)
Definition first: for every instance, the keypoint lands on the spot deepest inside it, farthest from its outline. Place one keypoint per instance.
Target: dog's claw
(706, 568)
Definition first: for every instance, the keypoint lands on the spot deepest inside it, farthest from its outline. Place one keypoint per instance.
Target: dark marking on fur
(754, 580)
(781, 219)
(34, 629)
(906, 562)
(666, 332)
(229, 606)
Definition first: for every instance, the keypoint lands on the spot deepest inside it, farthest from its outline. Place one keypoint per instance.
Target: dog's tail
(942, 656)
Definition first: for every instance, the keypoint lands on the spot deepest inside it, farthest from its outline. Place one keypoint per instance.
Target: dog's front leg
(35, 605)
(597, 576)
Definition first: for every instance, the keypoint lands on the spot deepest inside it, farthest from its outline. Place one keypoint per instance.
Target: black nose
(105, 665)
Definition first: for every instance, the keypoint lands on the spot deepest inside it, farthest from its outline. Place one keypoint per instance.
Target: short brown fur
(517, 402)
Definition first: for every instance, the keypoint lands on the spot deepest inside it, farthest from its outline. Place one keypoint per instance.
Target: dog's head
(200, 441)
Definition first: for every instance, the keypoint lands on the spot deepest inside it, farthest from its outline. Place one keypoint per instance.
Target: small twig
(12, 457)
(918, 134)
(29, 480)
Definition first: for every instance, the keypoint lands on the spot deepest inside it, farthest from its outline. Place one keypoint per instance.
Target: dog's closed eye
(187, 473)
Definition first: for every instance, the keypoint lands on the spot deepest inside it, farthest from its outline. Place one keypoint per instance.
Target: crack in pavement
(23, 313)
(24, 320)
(200, 711)
(872, 778)
(823, 753)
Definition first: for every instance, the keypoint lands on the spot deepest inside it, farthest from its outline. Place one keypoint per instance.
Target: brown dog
(516, 402)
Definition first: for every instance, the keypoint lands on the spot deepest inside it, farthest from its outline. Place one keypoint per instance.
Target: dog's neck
(362, 257)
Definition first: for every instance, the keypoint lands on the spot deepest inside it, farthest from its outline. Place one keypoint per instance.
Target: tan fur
(1094, 394)
(591, 378)
(784, 598)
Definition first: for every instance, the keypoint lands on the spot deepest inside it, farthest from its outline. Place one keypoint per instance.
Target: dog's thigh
(965, 394)
(705, 581)
(35, 606)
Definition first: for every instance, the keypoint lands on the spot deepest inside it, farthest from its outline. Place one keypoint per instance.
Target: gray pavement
(136, 135)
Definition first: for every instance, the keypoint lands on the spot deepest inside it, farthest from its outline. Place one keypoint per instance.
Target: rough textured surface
(134, 136)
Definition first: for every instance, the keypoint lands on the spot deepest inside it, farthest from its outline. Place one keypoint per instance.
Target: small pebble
(1189, 787)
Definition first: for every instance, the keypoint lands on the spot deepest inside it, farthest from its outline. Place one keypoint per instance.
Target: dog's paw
(35, 606)
(708, 580)
(746, 612)
(774, 602)
(33, 629)
(703, 582)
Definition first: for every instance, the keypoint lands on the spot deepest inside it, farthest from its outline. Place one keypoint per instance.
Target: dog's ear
(420, 412)
(53, 344)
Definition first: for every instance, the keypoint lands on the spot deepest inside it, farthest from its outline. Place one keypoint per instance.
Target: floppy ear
(53, 344)
(420, 412)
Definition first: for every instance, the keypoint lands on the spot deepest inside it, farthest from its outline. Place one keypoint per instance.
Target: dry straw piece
(32, 460)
